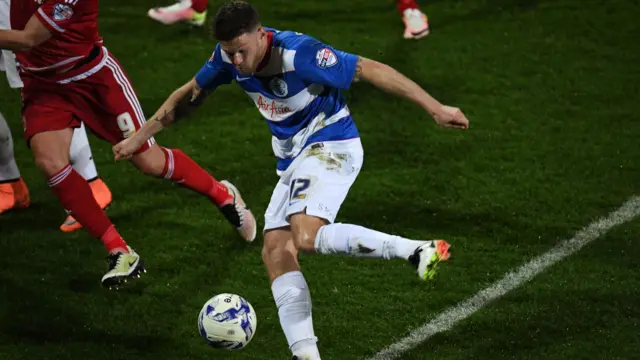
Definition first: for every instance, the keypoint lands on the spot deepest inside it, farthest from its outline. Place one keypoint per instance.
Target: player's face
(247, 50)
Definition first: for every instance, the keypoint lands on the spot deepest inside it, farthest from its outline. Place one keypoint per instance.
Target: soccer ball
(227, 321)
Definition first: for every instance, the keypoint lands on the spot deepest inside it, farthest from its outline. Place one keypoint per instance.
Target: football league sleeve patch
(57, 15)
(322, 64)
(213, 74)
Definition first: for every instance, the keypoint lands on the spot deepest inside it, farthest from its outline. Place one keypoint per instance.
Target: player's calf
(290, 292)
(175, 165)
(51, 151)
(358, 241)
(103, 197)
(151, 161)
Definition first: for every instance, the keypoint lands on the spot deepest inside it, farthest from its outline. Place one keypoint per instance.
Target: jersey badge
(325, 58)
(279, 87)
(62, 12)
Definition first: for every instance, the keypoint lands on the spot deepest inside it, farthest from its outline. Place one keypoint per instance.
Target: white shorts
(9, 66)
(318, 180)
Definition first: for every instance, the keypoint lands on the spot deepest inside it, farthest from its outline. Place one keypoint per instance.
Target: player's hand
(451, 117)
(125, 149)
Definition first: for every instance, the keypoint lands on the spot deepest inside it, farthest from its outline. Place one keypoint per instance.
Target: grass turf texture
(551, 89)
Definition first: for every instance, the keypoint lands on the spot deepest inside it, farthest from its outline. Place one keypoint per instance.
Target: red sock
(199, 5)
(76, 197)
(406, 4)
(182, 169)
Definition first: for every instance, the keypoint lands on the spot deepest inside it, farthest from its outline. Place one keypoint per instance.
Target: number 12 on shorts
(299, 188)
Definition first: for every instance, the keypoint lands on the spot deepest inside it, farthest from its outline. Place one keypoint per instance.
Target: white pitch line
(517, 277)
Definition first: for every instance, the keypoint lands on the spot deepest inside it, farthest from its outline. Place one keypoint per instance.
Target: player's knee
(278, 245)
(279, 253)
(50, 160)
(50, 164)
(304, 241)
(305, 228)
(51, 150)
(271, 249)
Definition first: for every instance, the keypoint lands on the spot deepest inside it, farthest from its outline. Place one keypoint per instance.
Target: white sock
(293, 300)
(359, 241)
(8, 167)
(80, 154)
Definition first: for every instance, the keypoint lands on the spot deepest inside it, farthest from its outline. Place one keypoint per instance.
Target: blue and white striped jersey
(298, 91)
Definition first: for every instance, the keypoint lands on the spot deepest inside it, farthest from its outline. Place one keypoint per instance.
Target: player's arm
(392, 81)
(177, 106)
(325, 65)
(34, 34)
(190, 95)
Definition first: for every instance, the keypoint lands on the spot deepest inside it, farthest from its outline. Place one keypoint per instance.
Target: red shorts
(103, 100)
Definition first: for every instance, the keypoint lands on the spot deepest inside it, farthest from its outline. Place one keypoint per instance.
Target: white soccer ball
(227, 321)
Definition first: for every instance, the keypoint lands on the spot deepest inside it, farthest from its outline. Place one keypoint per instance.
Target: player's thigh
(48, 130)
(275, 217)
(320, 183)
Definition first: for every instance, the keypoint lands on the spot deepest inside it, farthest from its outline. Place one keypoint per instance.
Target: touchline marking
(514, 279)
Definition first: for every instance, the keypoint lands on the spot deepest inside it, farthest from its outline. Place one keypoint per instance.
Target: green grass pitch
(551, 89)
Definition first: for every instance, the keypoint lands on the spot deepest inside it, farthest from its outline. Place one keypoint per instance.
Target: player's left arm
(392, 81)
(34, 34)
(322, 64)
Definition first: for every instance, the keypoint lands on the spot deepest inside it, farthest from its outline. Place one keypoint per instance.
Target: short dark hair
(234, 19)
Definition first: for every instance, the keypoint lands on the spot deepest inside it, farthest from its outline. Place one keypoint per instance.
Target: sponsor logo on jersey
(266, 105)
(325, 58)
(62, 12)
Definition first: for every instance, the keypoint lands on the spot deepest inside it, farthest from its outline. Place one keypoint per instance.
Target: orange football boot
(14, 195)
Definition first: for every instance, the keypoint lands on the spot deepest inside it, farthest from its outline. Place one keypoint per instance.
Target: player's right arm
(178, 105)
